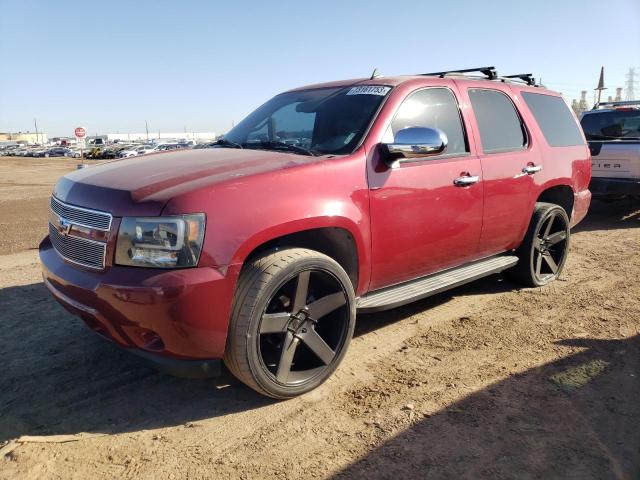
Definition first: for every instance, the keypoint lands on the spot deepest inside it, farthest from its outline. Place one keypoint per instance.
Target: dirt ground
(486, 381)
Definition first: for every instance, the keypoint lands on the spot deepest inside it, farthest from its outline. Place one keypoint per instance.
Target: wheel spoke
(274, 322)
(286, 357)
(318, 346)
(551, 262)
(302, 290)
(547, 230)
(556, 237)
(326, 305)
(539, 264)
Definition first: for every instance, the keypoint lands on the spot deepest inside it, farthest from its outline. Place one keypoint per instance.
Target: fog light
(152, 341)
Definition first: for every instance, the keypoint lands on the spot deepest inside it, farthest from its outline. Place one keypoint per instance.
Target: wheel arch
(340, 241)
(560, 194)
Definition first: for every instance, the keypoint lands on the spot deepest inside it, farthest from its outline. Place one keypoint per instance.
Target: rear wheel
(544, 250)
(293, 318)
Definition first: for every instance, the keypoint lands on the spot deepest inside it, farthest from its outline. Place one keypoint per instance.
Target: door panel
(506, 149)
(420, 222)
(507, 200)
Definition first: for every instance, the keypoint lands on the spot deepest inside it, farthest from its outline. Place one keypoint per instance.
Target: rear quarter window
(501, 129)
(554, 119)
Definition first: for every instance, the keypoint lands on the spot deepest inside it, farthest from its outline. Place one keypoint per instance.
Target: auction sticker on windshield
(369, 90)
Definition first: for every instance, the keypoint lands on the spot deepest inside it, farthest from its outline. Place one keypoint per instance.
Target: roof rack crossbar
(489, 72)
(525, 77)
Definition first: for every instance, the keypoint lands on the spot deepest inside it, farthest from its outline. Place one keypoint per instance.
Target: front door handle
(531, 169)
(466, 180)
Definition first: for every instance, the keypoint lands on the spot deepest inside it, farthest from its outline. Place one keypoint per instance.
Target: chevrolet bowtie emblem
(64, 226)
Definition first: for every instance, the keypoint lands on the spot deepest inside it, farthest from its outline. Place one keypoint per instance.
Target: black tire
(544, 250)
(292, 321)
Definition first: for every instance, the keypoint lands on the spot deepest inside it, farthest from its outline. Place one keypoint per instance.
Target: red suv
(328, 200)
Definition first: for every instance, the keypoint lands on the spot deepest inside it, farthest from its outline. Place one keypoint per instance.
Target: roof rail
(489, 72)
(621, 103)
(525, 77)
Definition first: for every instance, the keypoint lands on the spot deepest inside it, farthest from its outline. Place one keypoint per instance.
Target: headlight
(160, 242)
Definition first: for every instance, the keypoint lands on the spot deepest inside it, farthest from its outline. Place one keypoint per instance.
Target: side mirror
(415, 142)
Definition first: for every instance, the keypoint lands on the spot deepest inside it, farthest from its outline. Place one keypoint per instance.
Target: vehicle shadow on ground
(577, 417)
(612, 215)
(59, 377)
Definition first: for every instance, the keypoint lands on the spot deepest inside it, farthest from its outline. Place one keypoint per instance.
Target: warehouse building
(24, 137)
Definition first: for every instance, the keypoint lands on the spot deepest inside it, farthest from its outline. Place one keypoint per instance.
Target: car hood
(143, 185)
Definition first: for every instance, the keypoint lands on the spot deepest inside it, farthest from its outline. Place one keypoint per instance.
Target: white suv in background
(613, 132)
(144, 149)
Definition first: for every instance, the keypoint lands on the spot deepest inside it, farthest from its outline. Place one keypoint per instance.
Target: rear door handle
(531, 169)
(466, 180)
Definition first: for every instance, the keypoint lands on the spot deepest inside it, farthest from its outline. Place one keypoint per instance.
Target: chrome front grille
(82, 251)
(69, 227)
(81, 216)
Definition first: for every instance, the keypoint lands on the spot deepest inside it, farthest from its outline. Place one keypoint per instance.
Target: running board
(423, 287)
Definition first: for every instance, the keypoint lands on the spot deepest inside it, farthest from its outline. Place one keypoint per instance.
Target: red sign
(80, 132)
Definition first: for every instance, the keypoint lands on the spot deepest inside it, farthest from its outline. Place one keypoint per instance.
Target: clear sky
(199, 65)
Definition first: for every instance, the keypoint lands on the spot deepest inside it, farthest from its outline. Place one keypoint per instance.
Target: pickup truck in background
(613, 132)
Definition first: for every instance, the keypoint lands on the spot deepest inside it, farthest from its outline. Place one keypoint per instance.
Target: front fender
(248, 212)
(307, 224)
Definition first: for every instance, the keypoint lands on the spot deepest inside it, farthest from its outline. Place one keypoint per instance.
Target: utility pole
(600, 86)
(146, 127)
(630, 85)
(35, 122)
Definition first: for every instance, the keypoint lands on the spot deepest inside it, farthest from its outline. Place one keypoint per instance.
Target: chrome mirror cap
(416, 142)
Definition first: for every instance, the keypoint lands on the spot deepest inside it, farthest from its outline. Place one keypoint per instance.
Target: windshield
(614, 125)
(321, 121)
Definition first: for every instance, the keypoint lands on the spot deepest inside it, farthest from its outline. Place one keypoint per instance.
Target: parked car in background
(59, 152)
(129, 151)
(613, 132)
(260, 251)
(168, 146)
(39, 152)
(143, 150)
(200, 146)
(75, 153)
(21, 152)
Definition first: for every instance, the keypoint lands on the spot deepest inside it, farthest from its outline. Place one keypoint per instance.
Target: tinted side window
(432, 108)
(501, 129)
(553, 116)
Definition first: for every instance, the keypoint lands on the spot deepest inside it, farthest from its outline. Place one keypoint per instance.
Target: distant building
(137, 137)
(24, 137)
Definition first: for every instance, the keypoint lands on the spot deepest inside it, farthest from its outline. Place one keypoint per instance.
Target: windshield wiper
(223, 142)
(293, 148)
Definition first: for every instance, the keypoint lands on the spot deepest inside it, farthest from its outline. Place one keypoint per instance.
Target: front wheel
(293, 318)
(544, 250)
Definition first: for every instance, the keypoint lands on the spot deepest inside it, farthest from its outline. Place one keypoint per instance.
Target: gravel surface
(486, 381)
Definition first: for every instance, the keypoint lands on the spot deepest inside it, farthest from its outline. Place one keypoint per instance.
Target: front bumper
(162, 314)
(603, 187)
